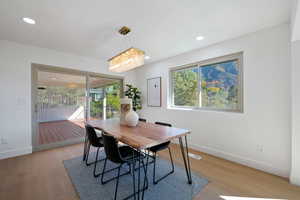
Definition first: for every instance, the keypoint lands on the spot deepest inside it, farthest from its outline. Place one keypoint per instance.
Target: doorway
(63, 100)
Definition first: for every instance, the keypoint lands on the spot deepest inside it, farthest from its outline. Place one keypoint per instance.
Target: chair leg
(87, 154)
(117, 183)
(95, 165)
(133, 178)
(84, 149)
(102, 174)
(171, 158)
(171, 172)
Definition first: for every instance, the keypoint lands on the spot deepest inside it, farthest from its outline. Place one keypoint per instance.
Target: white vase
(132, 118)
(126, 106)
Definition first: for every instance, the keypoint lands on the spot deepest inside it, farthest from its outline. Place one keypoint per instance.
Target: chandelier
(127, 60)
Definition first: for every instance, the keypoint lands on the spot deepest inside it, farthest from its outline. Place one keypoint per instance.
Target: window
(215, 84)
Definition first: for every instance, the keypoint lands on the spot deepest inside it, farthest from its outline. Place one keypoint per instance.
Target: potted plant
(134, 94)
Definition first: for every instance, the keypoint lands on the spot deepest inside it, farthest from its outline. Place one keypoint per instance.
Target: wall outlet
(3, 140)
(260, 148)
(195, 156)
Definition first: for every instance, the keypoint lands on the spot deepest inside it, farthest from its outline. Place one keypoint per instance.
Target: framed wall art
(154, 92)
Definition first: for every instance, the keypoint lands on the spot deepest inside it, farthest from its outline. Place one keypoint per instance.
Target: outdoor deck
(57, 131)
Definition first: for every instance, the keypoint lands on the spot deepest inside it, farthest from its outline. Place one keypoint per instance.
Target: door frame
(35, 68)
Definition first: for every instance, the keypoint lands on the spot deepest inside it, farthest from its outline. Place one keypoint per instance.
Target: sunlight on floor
(246, 198)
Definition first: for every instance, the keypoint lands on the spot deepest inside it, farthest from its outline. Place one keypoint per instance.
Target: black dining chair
(121, 155)
(95, 141)
(142, 120)
(158, 148)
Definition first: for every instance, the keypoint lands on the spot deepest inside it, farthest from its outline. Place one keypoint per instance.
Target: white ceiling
(162, 28)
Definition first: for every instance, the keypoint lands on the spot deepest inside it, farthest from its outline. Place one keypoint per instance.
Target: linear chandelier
(127, 60)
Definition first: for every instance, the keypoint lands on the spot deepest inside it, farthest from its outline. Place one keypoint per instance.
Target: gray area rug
(173, 187)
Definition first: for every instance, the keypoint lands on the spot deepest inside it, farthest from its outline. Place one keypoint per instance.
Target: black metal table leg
(139, 175)
(186, 159)
(146, 174)
(133, 173)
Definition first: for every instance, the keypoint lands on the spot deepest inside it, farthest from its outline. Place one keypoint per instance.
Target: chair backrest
(163, 124)
(92, 135)
(111, 148)
(142, 120)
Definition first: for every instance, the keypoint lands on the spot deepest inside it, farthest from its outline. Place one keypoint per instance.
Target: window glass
(215, 85)
(186, 87)
(219, 85)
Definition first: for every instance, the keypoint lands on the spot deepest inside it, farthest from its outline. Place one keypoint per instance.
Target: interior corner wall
(266, 119)
(15, 89)
(295, 168)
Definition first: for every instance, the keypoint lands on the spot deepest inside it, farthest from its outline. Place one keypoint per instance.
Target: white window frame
(238, 57)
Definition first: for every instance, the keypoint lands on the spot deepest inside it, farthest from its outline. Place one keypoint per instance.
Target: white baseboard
(294, 180)
(242, 160)
(15, 152)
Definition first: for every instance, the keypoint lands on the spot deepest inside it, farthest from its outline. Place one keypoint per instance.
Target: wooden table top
(143, 136)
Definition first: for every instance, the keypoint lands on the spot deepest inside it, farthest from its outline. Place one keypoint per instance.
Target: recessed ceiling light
(28, 20)
(147, 57)
(200, 38)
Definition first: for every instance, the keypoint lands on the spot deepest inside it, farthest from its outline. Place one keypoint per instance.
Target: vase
(132, 118)
(126, 106)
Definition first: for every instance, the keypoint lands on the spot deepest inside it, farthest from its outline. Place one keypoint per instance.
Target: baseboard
(58, 144)
(294, 180)
(241, 160)
(15, 152)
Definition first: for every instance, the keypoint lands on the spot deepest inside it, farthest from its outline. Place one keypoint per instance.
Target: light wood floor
(42, 176)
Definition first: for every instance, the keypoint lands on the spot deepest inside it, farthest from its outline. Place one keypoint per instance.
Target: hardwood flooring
(41, 175)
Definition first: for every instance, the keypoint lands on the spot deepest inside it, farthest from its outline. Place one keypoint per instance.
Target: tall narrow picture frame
(154, 92)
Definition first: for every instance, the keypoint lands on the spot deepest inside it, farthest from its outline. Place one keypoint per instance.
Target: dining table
(146, 135)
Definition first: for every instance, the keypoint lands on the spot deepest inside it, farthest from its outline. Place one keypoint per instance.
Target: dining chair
(95, 141)
(121, 155)
(158, 148)
(142, 120)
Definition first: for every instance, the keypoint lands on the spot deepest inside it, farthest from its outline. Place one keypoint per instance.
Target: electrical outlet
(3, 140)
(260, 148)
(195, 156)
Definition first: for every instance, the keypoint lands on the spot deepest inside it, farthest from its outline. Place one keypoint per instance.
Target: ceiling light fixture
(147, 57)
(28, 20)
(127, 60)
(200, 38)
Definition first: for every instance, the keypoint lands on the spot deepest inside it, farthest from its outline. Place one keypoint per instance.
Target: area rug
(173, 187)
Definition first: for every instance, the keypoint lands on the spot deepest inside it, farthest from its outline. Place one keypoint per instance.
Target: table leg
(139, 175)
(133, 169)
(186, 160)
(146, 174)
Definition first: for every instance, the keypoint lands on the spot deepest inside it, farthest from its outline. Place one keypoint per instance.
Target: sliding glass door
(64, 99)
(103, 98)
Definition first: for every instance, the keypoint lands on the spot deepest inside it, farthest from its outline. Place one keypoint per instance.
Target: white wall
(295, 20)
(15, 89)
(295, 170)
(266, 118)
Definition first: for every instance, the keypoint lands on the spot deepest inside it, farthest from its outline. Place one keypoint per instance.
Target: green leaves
(134, 94)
